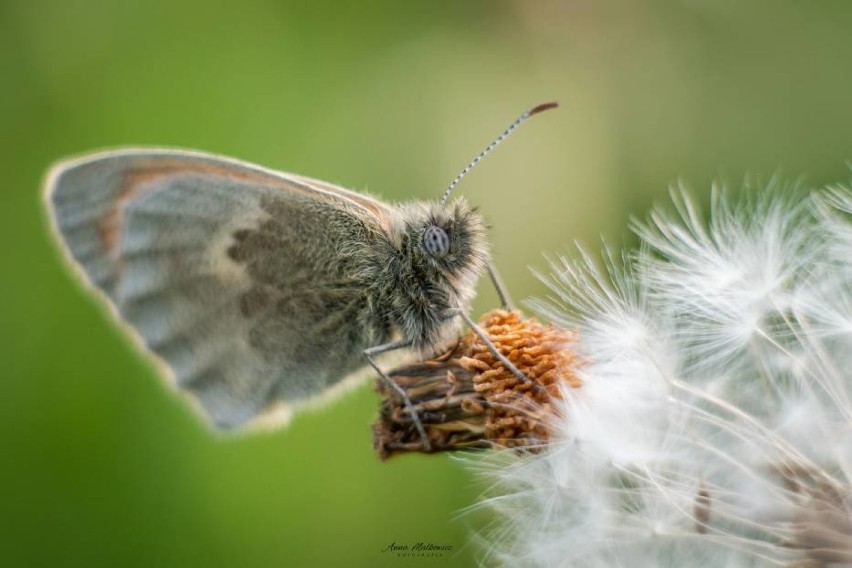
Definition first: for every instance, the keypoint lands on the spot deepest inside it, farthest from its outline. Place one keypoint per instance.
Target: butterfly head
(440, 252)
(448, 239)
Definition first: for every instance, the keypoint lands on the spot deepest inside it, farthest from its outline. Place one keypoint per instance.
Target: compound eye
(436, 241)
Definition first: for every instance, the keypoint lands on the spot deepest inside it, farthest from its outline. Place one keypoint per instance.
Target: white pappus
(714, 424)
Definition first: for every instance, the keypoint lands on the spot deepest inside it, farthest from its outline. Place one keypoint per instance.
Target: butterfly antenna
(533, 111)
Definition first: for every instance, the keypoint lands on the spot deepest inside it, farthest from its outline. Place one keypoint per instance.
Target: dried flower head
(467, 399)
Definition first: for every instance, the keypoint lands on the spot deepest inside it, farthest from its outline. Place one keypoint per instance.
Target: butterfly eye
(436, 241)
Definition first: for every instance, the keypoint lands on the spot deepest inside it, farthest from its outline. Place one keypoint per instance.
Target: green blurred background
(101, 466)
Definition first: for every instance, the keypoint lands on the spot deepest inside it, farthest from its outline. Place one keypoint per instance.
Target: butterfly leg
(502, 291)
(493, 348)
(415, 417)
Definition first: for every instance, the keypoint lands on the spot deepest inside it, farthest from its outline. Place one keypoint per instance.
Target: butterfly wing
(235, 276)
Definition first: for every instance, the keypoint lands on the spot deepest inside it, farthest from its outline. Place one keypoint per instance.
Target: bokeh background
(101, 466)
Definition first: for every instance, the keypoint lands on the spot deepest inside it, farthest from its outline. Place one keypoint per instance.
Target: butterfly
(259, 290)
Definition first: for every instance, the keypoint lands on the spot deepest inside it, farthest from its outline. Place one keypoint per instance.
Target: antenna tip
(542, 107)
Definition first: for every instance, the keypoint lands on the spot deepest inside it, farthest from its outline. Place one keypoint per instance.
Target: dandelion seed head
(714, 422)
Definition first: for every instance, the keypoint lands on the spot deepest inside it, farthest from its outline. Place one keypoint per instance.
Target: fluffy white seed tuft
(714, 425)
